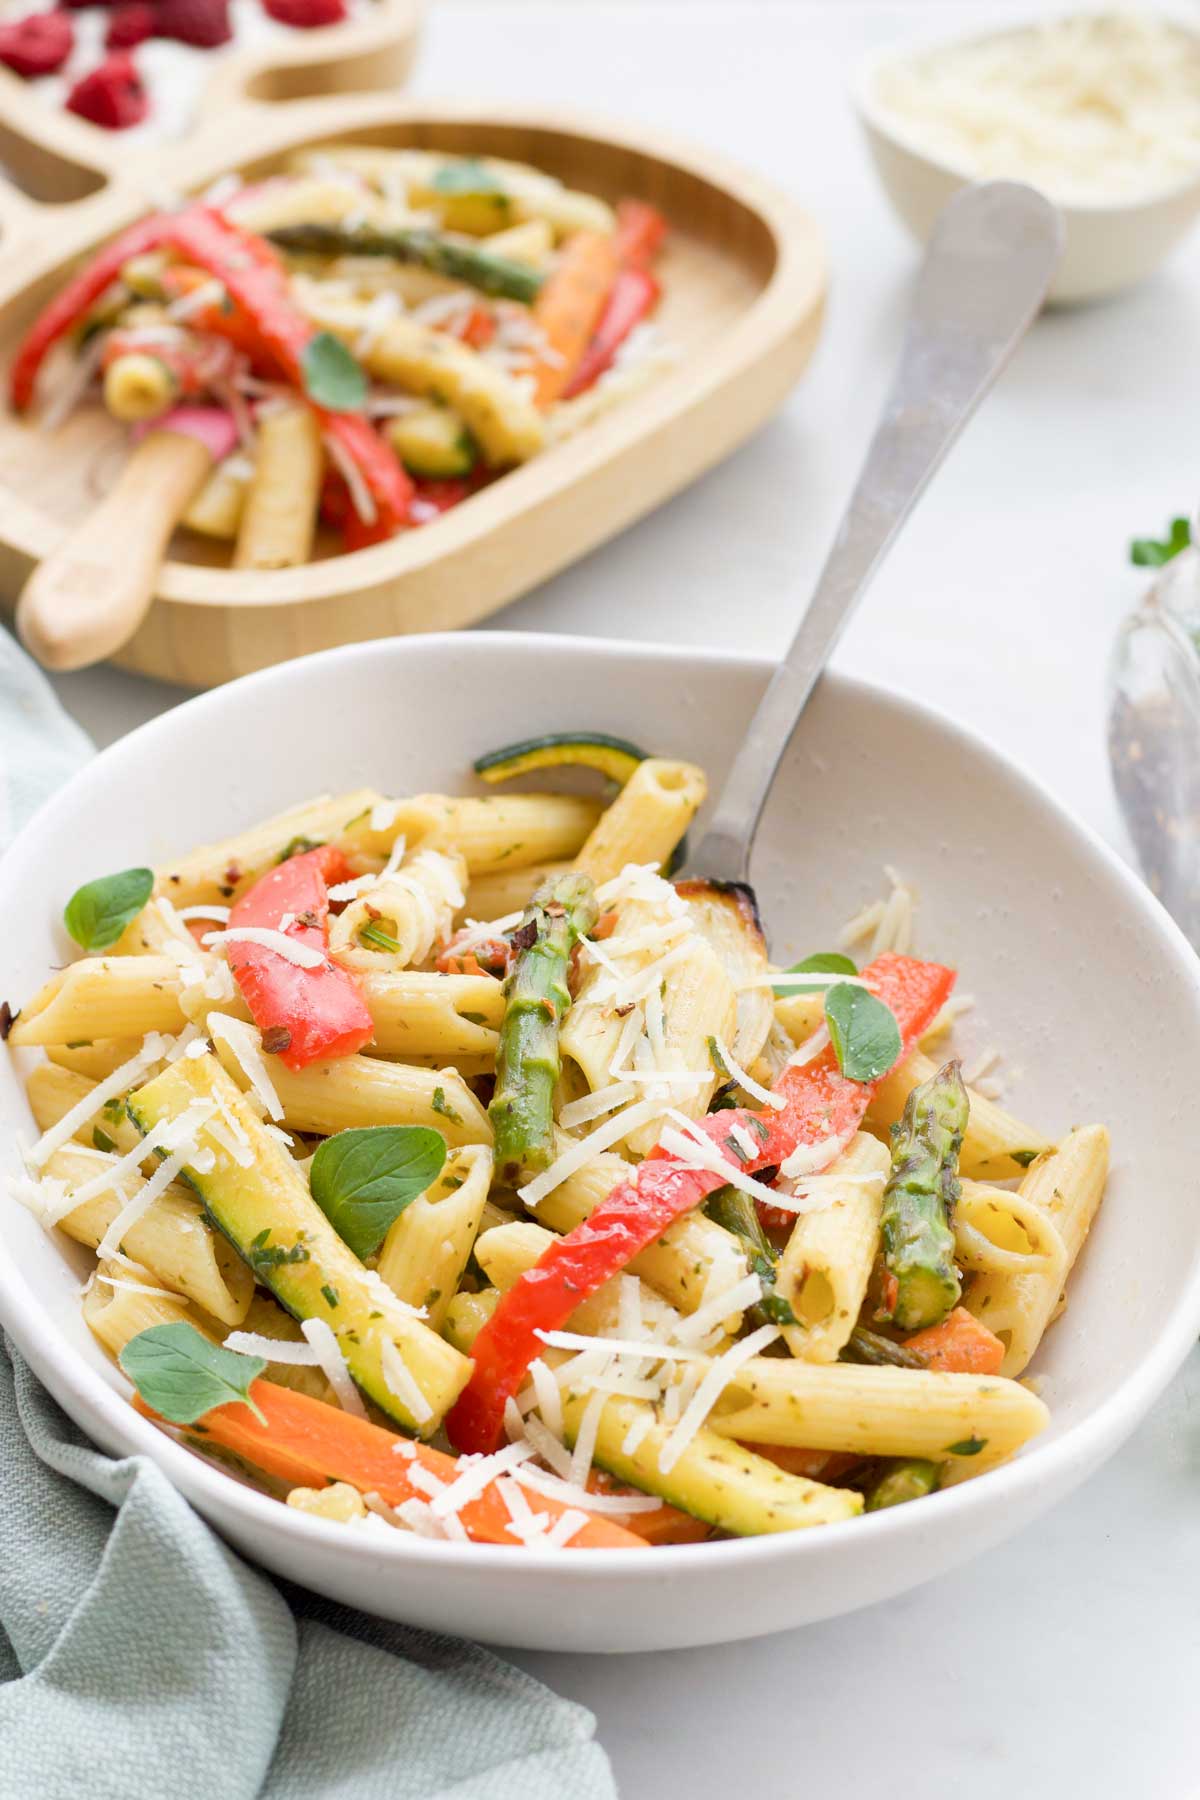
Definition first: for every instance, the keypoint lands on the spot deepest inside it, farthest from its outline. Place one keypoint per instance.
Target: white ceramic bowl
(1108, 246)
(1078, 973)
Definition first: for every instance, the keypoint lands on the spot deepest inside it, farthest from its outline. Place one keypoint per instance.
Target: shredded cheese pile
(1103, 107)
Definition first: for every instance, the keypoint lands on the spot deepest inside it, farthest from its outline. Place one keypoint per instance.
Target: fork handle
(983, 281)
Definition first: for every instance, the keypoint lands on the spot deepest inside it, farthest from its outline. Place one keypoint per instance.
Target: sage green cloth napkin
(142, 1659)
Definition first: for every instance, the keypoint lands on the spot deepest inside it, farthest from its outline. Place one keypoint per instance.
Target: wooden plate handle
(90, 594)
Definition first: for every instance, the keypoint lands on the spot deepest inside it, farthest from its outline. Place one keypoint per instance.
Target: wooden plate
(361, 56)
(744, 281)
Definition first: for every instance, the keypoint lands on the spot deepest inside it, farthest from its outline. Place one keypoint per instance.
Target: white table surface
(1066, 1661)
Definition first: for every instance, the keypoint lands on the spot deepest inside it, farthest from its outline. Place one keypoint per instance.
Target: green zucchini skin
(613, 756)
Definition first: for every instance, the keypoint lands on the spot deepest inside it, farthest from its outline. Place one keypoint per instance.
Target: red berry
(38, 44)
(129, 24)
(306, 13)
(112, 95)
(204, 23)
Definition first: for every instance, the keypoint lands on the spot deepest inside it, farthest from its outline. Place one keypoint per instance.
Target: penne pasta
(996, 1146)
(492, 833)
(279, 514)
(427, 1249)
(825, 1268)
(1063, 1189)
(647, 820)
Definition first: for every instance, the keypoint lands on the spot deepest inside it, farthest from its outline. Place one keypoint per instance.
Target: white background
(1069, 1660)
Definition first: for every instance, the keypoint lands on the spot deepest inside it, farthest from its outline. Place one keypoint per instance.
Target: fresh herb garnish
(332, 377)
(825, 962)
(330, 1294)
(716, 1059)
(101, 1140)
(296, 847)
(1152, 553)
(864, 1032)
(182, 1376)
(966, 1447)
(98, 912)
(363, 1179)
(467, 176)
(442, 1105)
(1024, 1157)
(263, 1256)
(375, 934)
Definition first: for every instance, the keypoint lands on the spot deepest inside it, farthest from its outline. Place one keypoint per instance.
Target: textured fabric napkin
(141, 1658)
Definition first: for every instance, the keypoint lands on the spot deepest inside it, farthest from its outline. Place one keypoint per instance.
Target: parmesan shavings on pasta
(475, 1474)
(730, 1066)
(712, 1314)
(278, 1350)
(577, 1154)
(333, 1366)
(810, 1048)
(244, 1041)
(153, 1049)
(402, 1385)
(305, 956)
(135, 1209)
(717, 1379)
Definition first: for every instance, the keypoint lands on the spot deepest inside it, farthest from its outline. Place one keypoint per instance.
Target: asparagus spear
(918, 1245)
(500, 276)
(733, 1209)
(536, 1000)
(883, 1352)
(909, 1478)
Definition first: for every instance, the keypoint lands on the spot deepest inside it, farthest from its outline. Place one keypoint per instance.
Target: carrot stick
(568, 308)
(307, 1443)
(815, 1465)
(961, 1344)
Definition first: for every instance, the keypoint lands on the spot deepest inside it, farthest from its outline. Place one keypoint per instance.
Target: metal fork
(984, 278)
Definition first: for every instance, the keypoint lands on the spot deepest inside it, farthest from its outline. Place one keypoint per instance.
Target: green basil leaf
(866, 1037)
(1152, 553)
(363, 1179)
(825, 962)
(182, 1375)
(332, 377)
(466, 176)
(98, 912)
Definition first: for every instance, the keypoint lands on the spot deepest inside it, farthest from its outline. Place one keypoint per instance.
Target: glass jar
(1154, 736)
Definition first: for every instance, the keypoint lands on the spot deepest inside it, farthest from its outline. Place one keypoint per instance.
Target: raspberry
(38, 44)
(204, 23)
(112, 95)
(129, 24)
(306, 13)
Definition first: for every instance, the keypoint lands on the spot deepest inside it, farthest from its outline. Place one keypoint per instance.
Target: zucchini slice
(613, 756)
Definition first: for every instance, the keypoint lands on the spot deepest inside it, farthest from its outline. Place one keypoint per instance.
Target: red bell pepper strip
(821, 1103)
(633, 295)
(256, 282)
(640, 232)
(320, 1009)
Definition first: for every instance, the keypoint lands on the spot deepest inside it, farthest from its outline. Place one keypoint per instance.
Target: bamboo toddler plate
(743, 283)
(57, 156)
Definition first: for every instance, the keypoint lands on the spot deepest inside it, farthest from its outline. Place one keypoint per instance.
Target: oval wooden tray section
(364, 55)
(744, 282)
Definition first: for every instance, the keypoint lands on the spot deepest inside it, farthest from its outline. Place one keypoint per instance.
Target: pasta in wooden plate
(358, 343)
(454, 1171)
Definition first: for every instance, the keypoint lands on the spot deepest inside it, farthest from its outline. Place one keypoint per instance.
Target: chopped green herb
(331, 1294)
(266, 1256)
(442, 1105)
(966, 1447)
(374, 934)
(1024, 1157)
(473, 1018)
(101, 1140)
(717, 1060)
(296, 847)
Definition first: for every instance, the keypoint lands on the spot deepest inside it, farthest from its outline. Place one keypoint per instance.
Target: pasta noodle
(301, 1107)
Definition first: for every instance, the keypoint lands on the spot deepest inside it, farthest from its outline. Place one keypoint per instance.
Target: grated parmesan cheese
(305, 956)
(402, 1385)
(577, 1154)
(278, 1350)
(152, 1051)
(1097, 108)
(718, 1378)
(244, 1042)
(332, 1365)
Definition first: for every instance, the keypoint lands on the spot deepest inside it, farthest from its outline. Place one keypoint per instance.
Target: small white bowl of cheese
(1099, 111)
